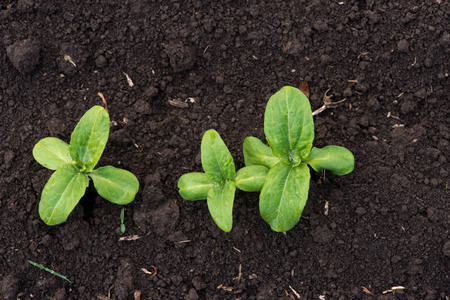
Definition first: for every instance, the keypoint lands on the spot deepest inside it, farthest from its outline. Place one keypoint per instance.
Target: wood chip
(295, 292)
(130, 82)
(366, 290)
(225, 288)
(393, 289)
(69, 59)
(184, 241)
(364, 53)
(178, 103)
(129, 238)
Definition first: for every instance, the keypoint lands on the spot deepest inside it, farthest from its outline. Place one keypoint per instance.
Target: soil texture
(170, 70)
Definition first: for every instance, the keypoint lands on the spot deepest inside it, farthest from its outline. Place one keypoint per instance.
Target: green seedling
(74, 164)
(122, 219)
(49, 270)
(279, 171)
(289, 130)
(219, 181)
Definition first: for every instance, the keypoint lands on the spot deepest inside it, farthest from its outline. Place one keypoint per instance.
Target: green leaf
(49, 270)
(89, 137)
(115, 185)
(284, 195)
(122, 219)
(289, 125)
(336, 159)
(216, 158)
(61, 194)
(220, 204)
(258, 153)
(251, 178)
(195, 186)
(52, 153)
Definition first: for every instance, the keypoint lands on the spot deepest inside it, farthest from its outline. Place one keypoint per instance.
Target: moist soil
(381, 232)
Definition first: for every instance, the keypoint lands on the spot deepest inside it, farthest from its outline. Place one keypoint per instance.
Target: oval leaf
(116, 185)
(289, 125)
(216, 158)
(220, 205)
(195, 186)
(284, 196)
(251, 178)
(258, 153)
(61, 194)
(89, 137)
(336, 159)
(52, 153)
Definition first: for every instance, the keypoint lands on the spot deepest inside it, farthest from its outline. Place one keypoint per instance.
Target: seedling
(49, 270)
(289, 130)
(74, 165)
(122, 219)
(220, 180)
(278, 171)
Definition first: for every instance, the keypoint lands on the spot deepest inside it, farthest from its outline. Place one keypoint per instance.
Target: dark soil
(388, 223)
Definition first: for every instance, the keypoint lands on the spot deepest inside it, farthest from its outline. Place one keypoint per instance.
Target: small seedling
(220, 180)
(278, 171)
(122, 219)
(289, 130)
(49, 270)
(74, 165)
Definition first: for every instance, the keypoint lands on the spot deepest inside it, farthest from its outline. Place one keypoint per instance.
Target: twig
(100, 94)
(153, 274)
(129, 238)
(327, 103)
(393, 289)
(238, 278)
(295, 292)
(69, 59)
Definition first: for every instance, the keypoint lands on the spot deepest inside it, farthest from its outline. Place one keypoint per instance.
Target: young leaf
(49, 270)
(195, 186)
(258, 153)
(220, 204)
(115, 185)
(336, 159)
(251, 178)
(216, 158)
(122, 219)
(52, 153)
(284, 195)
(61, 194)
(89, 137)
(289, 125)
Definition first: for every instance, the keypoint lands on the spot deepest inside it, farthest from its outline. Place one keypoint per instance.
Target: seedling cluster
(279, 171)
(74, 165)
